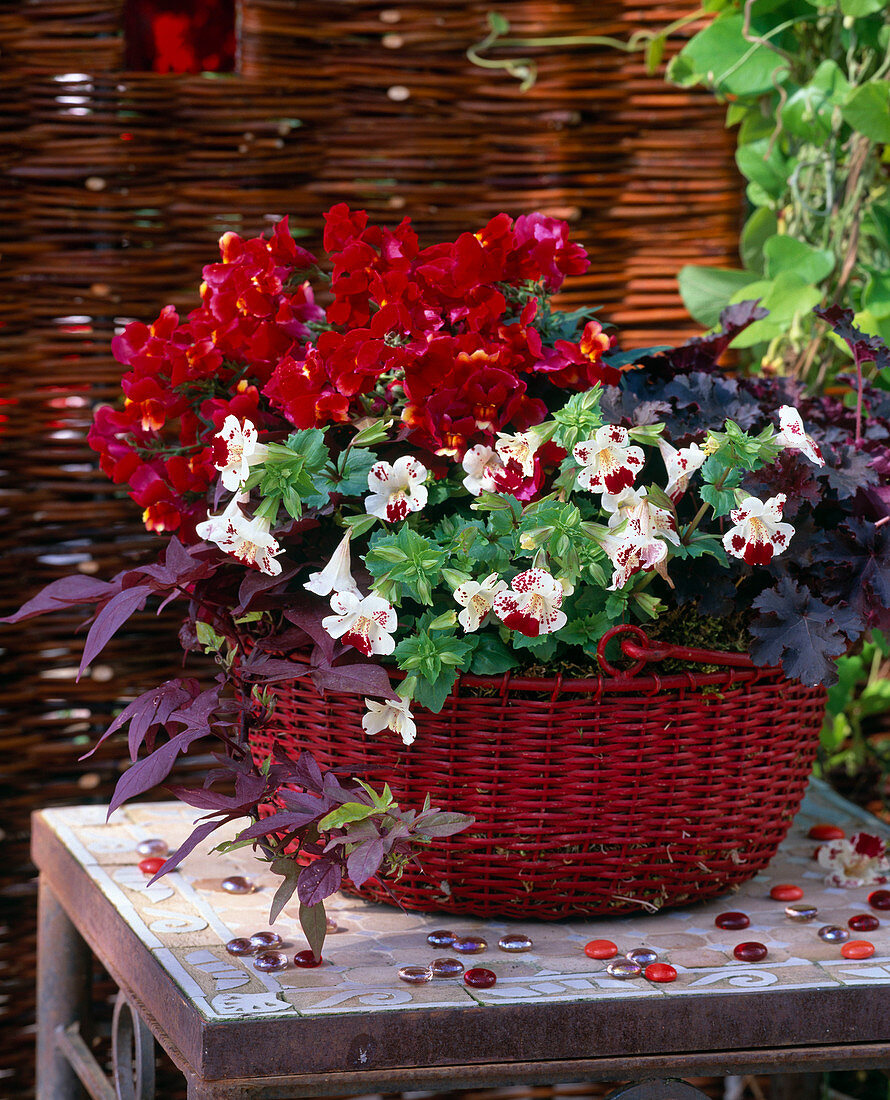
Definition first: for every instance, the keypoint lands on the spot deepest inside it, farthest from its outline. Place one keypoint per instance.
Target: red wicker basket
(594, 796)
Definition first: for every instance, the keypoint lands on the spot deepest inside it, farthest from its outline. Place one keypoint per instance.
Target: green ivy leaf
(758, 229)
(706, 291)
(867, 110)
(784, 253)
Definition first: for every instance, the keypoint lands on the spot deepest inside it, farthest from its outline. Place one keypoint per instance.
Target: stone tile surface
(185, 920)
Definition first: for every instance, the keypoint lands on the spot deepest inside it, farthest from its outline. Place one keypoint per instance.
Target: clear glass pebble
(265, 940)
(416, 975)
(238, 884)
(832, 934)
(442, 937)
(240, 946)
(624, 968)
(469, 945)
(643, 956)
(154, 846)
(447, 968)
(801, 912)
(270, 961)
(331, 926)
(515, 941)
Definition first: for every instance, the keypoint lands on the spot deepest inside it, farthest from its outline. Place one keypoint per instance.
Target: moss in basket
(440, 472)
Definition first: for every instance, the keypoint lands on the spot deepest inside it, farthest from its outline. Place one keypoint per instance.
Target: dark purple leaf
(152, 770)
(318, 881)
(256, 584)
(441, 823)
(179, 568)
(307, 773)
(260, 668)
(800, 632)
(200, 833)
(66, 592)
(307, 615)
(109, 619)
(865, 349)
(313, 921)
(304, 803)
(273, 822)
(363, 862)
(289, 872)
(152, 707)
(847, 469)
(356, 678)
(199, 714)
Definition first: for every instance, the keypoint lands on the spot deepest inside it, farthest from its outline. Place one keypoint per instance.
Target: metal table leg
(63, 994)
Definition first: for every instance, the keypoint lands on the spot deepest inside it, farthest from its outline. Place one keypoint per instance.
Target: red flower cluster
(449, 338)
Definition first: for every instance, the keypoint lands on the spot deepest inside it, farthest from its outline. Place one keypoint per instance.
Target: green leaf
(785, 296)
(342, 815)
(763, 164)
(720, 57)
(808, 112)
(706, 291)
(784, 253)
(867, 110)
(313, 921)
(876, 296)
(758, 229)
(208, 638)
(490, 656)
(857, 8)
(433, 693)
(654, 53)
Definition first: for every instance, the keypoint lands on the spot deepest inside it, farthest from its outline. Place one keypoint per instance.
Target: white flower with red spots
(477, 600)
(641, 517)
(793, 435)
(521, 448)
(680, 465)
(758, 535)
(235, 450)
(336, 575)
(631, 553)
(394, 715)
(366, 623)
(859, 861)
(482, 465)
(532, 604)
(397, 489)
(247, 539)
(610, 461)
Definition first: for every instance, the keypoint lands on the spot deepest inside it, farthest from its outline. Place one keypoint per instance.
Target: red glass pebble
(750, 952)
(879, 899)
(826, 832)
(863, 922)
(857, 949)
(732, 921)
(306, 959)
(480, 978)
(786, 891)
(660, 972)
(152, 865)
(600, 949)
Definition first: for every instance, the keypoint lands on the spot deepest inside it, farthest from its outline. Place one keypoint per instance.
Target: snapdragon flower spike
(758, 535)
(631, 553)
(532, 604)
(640, 516)
(793, 434)
(366, 623)
(610, 461)
(482, 465)
(235, 450)
(397, 489)
(521, 447)
(680, 465)
(248, 540)
(394, 714)
(336, 575)
(477, 600)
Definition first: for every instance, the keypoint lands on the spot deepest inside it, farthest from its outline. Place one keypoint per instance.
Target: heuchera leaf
(318, 881)
(847, 470)
(800, 632)
(67, 592)
(864, 349)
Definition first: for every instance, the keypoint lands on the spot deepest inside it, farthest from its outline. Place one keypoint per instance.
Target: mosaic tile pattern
(186, 919)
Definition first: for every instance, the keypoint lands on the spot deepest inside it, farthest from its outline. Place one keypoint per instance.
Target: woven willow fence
(117, 186)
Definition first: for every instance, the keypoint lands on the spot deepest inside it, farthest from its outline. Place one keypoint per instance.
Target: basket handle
(642, 651)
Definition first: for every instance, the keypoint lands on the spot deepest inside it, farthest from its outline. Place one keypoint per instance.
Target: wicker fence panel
(116, 187)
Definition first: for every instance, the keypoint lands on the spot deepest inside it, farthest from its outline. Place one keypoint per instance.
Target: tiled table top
(185, 920)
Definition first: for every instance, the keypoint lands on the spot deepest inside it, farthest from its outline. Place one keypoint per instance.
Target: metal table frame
(753, 1032)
